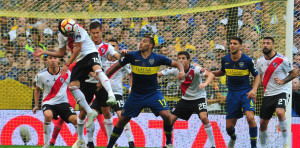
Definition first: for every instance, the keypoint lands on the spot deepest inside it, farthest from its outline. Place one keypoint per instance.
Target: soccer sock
(114, 136)
(108, 126)
(253, 136)
(80, 98)
(101, 123)
(283, 128)
(104, 81)
(210, 134)
(57, 127)
(47, 131)
(263, 135)
(80, 128)
(231, 133)
(168, 132)
(90, 132)
(128, 132)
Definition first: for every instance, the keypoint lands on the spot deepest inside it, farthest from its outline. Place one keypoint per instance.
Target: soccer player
(87, 61)
(273, 68)
(240, 98)
(145, 91)
(55, 101)
(193, 93)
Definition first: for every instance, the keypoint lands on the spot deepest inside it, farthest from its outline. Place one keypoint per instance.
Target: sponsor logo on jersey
(151, 61)
(47, 81)
(237, 72)
(226, 63)
(144, 70)
(241, 64)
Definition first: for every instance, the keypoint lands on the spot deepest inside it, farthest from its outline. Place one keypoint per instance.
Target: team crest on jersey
(61, 80)
(151, 61)
(190, 77)
(102, 50)
(241, 64)
(47, 81)
(274, 64)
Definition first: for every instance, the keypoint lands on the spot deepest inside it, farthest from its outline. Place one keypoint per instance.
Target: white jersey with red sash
(54, 86)
(80, 35)
(277, 66)
(190, 85)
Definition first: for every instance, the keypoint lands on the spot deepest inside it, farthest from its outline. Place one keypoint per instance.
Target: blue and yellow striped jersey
(237, 72)
(144, 71)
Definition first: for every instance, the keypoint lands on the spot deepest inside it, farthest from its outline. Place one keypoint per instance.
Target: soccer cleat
(79, 143)
(286, 146)
(90, 145)
(131, 144)
(168, 146)
(90, 118)
(47, 145)
(51, 144)
(231, 143)
(111, 100)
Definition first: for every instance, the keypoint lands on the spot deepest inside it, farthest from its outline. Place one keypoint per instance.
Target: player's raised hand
(202, 85)
(34, 109)
(278, 81)
(38, 52)
(252, 94)
(124, 52)
(64, 70)
(180, 76)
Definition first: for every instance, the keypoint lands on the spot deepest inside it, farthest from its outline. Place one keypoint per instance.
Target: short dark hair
(269, 38)
(236, 38)
(113, 40)
(184, 53)
(95, 24)
(151, 40)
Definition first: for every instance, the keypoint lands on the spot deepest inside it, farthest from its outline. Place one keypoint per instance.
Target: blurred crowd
(203, 34)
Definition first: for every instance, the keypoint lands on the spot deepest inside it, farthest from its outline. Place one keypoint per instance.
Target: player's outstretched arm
(113, 69)
(209, 77)
(59, 53)
(218, 73)
(159, 74)
(179, 66)
(292, 75)
(36, 99)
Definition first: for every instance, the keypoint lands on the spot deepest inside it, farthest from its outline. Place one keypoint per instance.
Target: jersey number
(281, 101)
(202, 106)
(163, 102)
(120, 103)
(96, 60)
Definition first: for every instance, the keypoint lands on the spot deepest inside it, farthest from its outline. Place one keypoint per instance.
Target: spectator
(12, 70)
(296, 58)
(248, 48)
(164, 50)
(22, 62)
(107, 36)
(296, 96)
(23, 77)
(216, 96)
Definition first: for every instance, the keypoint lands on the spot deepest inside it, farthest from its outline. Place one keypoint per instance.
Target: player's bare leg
(47, 127)
(252, 127)
(283, 125)
(168, 127)
(106, 84)
(128, 131)
(117, 131)
(80, 99)
(208, 128)
(230, 124)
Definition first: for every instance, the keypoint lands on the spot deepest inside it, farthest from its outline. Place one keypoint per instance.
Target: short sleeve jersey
(54, 86)
(190, 86)
(237, 72)
(80, 35)
(282, 66)
(144, 71)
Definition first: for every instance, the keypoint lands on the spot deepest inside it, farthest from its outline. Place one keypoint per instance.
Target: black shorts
(64, 110)
(82, 68)
(270, 103)
(102, 97)
(89, 90)
(185, 108)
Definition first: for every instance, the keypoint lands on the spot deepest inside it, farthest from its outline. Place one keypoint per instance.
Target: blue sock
(116, 133)
(231, 133)
(168, 132)
(253, 136)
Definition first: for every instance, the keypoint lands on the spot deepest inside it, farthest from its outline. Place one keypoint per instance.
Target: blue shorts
(136, 102)
(237, 103)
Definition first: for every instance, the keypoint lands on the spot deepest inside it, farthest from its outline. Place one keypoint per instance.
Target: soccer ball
(68, 26)
(25, 134)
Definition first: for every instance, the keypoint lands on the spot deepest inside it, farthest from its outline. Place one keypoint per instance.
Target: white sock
(104, 81)
(90, 132)
(109, 126)
(283, 128)
(80, 98)
(263, 136)
(47, 132)
(128, 132)
(210, 134)
(80, 128)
